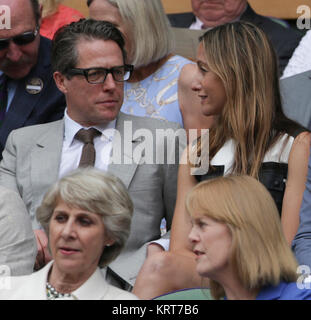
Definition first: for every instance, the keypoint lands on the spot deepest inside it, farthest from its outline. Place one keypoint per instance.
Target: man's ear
(40, 10)
(60, 81)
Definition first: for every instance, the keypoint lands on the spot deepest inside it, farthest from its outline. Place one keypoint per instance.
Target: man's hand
(43, 255)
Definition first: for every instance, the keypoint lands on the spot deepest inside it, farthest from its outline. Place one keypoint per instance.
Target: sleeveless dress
(272, 173)
(157, 95)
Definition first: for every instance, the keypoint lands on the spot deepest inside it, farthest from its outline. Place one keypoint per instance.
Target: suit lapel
(188, 19)
(122, 149)
(46, 157)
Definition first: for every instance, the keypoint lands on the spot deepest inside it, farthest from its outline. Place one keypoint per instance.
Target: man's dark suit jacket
(284, 40)
(28, 109)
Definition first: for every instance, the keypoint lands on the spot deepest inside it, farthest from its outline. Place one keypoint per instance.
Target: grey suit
(31, 162)
(18, 247)
(296, 97)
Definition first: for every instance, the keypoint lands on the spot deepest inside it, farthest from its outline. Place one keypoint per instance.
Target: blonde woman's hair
(260, 254)
(151, 33)
(49, 7)
(241, 55)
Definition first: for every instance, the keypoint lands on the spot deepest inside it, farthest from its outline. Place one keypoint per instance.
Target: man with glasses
(89, 63)
(28, 94)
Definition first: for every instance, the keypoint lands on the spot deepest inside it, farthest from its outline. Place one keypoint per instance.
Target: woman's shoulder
(295, 291)
(303, 139)
(301, 146)
(180, 59)
(174, 65)
(285, 291)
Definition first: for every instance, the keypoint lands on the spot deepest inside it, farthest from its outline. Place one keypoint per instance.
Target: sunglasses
(20, 40)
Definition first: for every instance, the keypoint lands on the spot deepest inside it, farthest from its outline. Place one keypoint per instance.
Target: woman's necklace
(53, 294)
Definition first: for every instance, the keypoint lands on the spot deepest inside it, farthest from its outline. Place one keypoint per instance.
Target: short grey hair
(150, 27)
(98, 192)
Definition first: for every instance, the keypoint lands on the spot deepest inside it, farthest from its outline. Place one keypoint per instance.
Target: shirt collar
(72, 127)
(94, 288)
(197, 24)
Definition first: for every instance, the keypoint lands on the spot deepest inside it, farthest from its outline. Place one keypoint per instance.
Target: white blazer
(33, 287)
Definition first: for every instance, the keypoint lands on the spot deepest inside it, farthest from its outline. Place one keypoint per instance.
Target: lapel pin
(34, 85)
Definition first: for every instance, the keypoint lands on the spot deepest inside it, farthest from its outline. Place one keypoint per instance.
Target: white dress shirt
(197, 24)
(72, 148)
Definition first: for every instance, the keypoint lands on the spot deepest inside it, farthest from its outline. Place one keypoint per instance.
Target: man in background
(211, 13)
(28, 94)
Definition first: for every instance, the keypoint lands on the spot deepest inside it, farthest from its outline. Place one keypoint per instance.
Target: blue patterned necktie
(3, 97)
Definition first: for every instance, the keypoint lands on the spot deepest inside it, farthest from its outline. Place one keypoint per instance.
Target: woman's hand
(43, 255)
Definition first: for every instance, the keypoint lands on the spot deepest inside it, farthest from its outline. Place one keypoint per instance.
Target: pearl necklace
(53, 294)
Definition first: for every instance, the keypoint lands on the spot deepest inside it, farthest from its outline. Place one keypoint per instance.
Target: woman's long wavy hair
(244, 59)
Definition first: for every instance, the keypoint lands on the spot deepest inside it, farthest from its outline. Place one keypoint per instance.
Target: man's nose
(14, 52)
(109, 83)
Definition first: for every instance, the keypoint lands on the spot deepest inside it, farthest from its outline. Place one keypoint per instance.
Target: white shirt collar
(72, 127)
(197, 24)
(95, 288)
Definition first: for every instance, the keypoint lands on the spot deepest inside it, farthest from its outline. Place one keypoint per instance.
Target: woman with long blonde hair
(237, 81)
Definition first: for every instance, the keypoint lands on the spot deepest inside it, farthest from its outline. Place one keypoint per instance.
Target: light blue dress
(157, 95)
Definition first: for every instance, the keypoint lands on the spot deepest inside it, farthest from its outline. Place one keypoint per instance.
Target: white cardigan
(33, 287)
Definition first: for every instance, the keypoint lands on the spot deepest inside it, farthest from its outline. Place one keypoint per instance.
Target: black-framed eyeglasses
(99, 75)
(21, 39)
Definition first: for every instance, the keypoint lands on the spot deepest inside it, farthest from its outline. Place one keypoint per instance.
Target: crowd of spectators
(129, 171)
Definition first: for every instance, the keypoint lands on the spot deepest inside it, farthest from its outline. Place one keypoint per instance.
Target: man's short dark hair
(88, 2)
(64, 48)
(36, 10)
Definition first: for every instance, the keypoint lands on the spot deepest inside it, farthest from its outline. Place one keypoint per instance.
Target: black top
(272, 175)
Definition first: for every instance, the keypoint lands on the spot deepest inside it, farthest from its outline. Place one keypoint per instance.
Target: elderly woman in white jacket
(87, 217)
